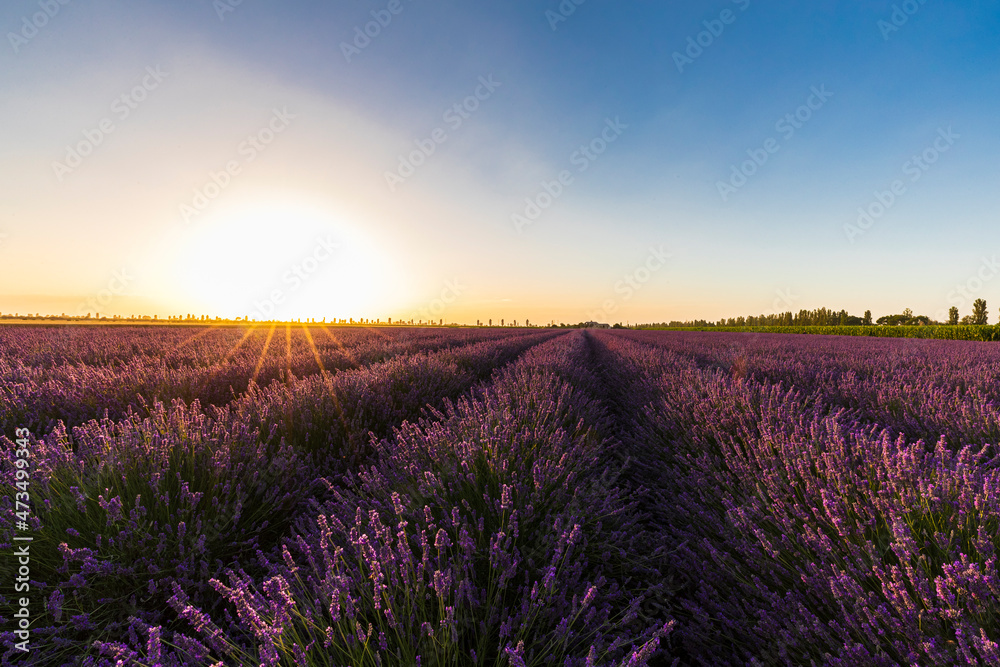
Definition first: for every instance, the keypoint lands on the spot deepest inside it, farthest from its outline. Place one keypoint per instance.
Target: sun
(284, 261)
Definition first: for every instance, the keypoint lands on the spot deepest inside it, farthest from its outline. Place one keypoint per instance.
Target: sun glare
(281, 261)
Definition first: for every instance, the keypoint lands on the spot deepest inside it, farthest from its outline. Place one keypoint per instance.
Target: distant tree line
(826, 317)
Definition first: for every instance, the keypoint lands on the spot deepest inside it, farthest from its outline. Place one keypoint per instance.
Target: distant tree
(907, 313)
(979, 313)
(953, 315)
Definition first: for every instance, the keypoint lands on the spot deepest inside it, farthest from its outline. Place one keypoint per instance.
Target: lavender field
(393, 496)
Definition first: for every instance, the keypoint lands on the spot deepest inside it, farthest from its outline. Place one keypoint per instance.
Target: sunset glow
(520, 164)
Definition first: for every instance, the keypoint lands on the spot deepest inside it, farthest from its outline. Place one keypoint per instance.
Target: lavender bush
(126, 509)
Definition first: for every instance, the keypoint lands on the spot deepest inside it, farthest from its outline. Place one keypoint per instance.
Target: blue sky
(638, 232)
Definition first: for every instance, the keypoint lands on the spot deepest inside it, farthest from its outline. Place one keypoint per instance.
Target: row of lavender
(923, 389)
(75, 374)
(829, 501)
(181, 346)
(489, 533)
(177, 493)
